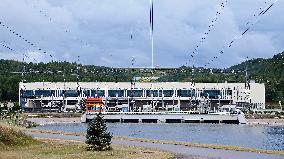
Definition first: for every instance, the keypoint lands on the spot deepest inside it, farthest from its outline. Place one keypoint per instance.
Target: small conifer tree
(97, 136)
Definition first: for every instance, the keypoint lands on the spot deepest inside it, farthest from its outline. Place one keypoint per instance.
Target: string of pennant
(210, 28)
(19, 36)
(256, 17)
(14, 51)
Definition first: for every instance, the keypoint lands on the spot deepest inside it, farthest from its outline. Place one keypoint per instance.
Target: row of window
(213, 94)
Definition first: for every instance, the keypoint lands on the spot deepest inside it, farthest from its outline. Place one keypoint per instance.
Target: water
(251, 136)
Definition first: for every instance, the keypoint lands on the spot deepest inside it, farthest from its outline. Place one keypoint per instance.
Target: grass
(12, 137)
(19, 120)
(59, 149)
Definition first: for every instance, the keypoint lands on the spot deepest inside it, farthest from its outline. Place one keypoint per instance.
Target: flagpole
(152, 30)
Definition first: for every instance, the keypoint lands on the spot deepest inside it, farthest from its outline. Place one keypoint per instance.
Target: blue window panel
(27, 93)
(213, 94)
(168, 93)
(229, 92)
(61, 93)
(156, 93)
(87, 93)
(115, 93)
(98, 93)
(71, 93)
(135, 93)
(44, 93)
(185, 93)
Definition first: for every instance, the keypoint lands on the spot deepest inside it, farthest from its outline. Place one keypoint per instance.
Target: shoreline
(180, 150)
(187, 144)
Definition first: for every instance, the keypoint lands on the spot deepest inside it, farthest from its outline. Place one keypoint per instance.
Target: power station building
(134, 97)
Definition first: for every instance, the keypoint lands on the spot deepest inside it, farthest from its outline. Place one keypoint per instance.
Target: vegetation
(16, 119)
(13, 137)
(269, 71)
(97, 136)
(55, 149)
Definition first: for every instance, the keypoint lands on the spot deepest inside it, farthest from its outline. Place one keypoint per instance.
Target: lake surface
(252, 136)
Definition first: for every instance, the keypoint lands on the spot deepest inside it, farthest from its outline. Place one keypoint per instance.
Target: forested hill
(269, 71)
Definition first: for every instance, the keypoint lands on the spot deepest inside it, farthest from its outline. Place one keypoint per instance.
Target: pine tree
(97, 136)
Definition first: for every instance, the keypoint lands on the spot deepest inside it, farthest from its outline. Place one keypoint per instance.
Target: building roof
(127, 85)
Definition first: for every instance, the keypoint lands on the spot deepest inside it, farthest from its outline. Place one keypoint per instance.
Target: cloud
(100, 31)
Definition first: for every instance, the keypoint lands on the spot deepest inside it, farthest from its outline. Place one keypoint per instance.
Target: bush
(97, 136)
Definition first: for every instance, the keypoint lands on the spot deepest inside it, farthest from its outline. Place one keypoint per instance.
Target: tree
(16, 107)
(97, 136)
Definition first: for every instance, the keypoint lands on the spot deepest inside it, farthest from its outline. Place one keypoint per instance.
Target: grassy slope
(55, 149)
(14, 137)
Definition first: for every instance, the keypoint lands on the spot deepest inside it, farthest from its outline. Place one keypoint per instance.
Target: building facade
(126, 96)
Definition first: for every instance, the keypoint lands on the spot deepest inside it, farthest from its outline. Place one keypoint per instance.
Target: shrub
(97, 136)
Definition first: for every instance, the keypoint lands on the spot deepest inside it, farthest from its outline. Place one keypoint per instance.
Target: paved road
(182, 152)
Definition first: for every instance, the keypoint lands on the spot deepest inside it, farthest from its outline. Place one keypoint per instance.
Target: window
(44, 93)
(98, 93)
(185, 93)
(87, 93)
(134, 93)
(156, 93)
(168, 93)
(212, 94)
(229, 92)
(115, 93)
(71, 93)
(28, 93)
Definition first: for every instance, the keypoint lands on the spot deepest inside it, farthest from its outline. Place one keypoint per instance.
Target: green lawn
(58, 149)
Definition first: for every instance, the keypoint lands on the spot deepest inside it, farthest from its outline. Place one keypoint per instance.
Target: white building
(159, 96)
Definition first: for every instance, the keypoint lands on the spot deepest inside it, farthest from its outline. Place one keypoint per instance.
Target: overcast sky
(99, 31)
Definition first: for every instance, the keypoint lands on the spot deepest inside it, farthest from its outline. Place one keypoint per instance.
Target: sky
(99, 31)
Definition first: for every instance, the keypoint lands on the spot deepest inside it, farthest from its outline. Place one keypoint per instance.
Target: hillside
(269, 71)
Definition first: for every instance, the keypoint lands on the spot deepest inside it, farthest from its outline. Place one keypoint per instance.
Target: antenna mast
(24, 69)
